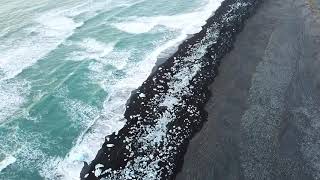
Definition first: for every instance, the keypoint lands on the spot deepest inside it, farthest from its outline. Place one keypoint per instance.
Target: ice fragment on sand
(98, 170)
(99, 166)
(110, 145)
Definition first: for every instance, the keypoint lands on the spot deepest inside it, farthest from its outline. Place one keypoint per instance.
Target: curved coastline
(168, 109)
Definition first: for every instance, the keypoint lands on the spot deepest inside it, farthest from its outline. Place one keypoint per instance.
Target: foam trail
(6, 162)
(146, 24)
(138, 25)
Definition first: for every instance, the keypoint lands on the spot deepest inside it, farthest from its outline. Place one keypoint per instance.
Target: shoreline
(148, 148)
(265, 102)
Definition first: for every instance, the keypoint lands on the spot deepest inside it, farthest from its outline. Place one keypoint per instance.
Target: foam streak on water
(6, 162)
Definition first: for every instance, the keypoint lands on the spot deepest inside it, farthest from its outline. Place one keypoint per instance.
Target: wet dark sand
(264, 114)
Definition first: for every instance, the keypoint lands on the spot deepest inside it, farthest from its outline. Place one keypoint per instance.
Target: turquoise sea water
(67, 69)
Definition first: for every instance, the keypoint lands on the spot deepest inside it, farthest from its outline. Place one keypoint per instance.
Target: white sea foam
(106, 79)
(92, 49)
(47, 31)
(24, 146)
(23, 50)
(50, 31)
(135, 27)
(19, 51)
(80, 112)
(111, 118)
(145, 24)
(102, 53)
(189, 23)
(6, 162)
(11, 97)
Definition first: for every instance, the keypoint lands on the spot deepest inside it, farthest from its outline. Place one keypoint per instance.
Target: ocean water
(67, 68)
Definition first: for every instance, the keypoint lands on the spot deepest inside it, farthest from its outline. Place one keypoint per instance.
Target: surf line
(168, 109)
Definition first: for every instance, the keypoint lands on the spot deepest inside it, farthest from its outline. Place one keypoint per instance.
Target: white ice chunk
(142, 95)
(110, 145)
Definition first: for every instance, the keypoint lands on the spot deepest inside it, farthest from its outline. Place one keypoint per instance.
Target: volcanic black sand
(264, 114)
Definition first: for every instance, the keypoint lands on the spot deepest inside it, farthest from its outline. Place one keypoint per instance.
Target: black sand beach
(168, 109)
(264, 114)
(263, 117)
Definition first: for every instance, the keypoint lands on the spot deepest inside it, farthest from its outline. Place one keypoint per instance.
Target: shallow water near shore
(67, 69)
